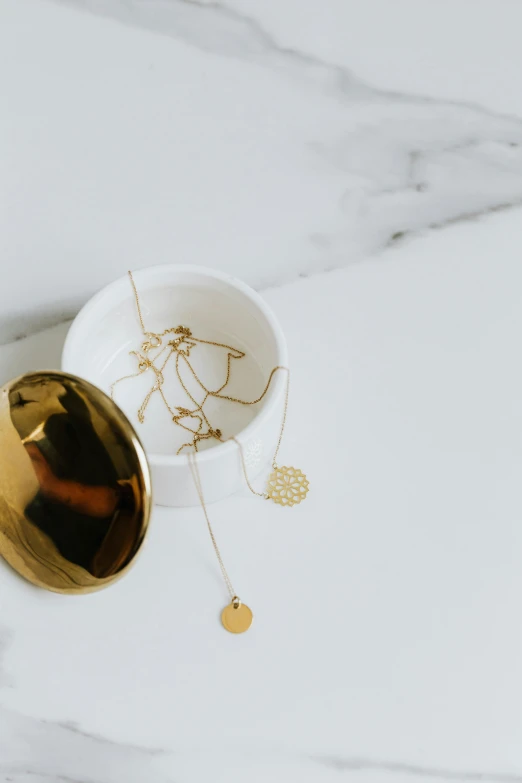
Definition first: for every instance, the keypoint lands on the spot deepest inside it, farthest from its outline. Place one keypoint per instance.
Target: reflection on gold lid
(75, 492)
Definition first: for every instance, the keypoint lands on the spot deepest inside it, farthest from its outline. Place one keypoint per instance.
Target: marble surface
(272, 140)
(363, 167)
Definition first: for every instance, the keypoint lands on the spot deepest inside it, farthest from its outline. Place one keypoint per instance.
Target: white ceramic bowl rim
(119, 290)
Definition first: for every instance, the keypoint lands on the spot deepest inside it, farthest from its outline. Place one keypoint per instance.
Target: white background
(361, 164)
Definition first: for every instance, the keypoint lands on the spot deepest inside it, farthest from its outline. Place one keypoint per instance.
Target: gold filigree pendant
(287, 486)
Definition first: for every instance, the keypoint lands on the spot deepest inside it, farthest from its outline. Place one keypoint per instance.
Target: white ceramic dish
(216, 307)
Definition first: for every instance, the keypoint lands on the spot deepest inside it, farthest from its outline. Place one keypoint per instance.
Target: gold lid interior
(75, 493)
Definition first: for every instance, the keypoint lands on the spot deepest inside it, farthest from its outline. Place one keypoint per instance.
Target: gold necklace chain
(197, 481)
(286, 486)
(154, 340)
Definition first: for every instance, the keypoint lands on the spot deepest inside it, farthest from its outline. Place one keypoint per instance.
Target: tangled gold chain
(181, 346)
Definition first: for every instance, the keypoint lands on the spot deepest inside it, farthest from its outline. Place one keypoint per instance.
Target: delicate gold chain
(274, 463)
(137, 302)
(193, 462)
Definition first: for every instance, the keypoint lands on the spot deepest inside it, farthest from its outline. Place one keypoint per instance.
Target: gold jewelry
(236, 616)
(286, 486)
(75, 494)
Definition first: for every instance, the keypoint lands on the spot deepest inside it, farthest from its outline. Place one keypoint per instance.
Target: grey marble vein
(411, 163)
(32, 749)
(415, 770)
(20, 329)
(62, 751)
(219, 29)
(466, 217)
(34, 776)
(74, 728)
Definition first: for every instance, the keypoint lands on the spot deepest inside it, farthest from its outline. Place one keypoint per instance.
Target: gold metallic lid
(75, 494)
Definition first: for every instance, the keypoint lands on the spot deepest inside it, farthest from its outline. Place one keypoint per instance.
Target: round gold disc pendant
(237, 617)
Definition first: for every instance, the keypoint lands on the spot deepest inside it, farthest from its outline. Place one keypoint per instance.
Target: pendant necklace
(286, 485)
